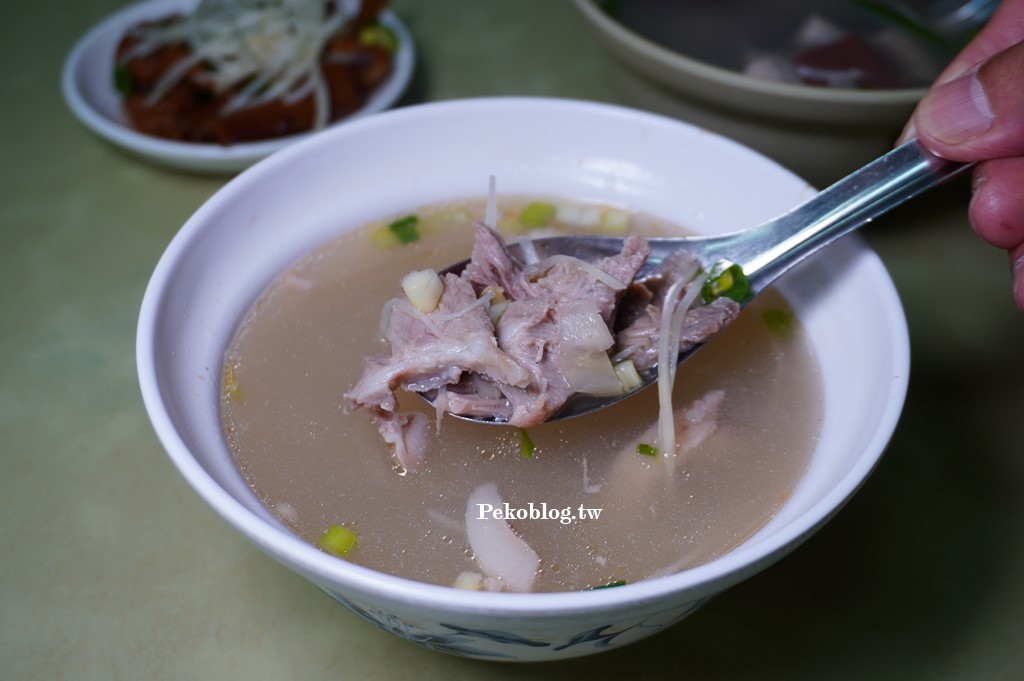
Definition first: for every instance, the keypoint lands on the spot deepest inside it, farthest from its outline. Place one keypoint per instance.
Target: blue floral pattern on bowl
(498, 644)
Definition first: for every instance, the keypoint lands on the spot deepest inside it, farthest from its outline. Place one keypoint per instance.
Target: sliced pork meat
(639, 340)
(430, 351)
(492, 266)
(529, 332)
(699, 421)
(513, 342)
(640, 319)
(409, 435)
(624, 266)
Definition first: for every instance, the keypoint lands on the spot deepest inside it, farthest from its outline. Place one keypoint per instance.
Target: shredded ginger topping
(269, 49)
(680, 296)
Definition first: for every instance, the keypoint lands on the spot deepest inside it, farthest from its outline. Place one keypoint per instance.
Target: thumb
(979, 115)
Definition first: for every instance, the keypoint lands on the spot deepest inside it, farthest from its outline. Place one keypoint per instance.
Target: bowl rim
(323, 569)
(206, 157)
(640, 46)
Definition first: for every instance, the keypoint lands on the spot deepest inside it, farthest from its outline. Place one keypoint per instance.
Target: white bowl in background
(275, 212)
(87, 81)
(820, 133)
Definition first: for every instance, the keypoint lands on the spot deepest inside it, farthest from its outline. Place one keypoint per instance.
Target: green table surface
(112, 567)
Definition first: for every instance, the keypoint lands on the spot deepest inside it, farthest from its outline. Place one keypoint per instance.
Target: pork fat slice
(501, 554)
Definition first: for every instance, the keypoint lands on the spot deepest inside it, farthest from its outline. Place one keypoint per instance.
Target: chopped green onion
(338, 540)
(615, 221)
(628, 375)
(497, 294)
(728, 281)
(526, 444)
(405, 229)
(496, 310)
(442, 220)
(498, 303)
(231, 389)
(123, 80)
(646, 449)
(609, 585)
(375, 34)
(777, 320)
(384, 238)
(470, 581)
(537, 214)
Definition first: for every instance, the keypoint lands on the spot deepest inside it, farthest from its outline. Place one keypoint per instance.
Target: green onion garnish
(231, 389)
(375, 34)
(609, 585)
(405, 229)
(646, 449)
(526, 444)
(728, 281)
(123, 81)
(537, 214)
(777, 320)
(338, 540)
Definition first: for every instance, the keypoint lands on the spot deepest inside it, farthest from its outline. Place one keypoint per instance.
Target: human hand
(975, 112)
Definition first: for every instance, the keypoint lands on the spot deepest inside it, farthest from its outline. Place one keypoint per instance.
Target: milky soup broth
(314, 464)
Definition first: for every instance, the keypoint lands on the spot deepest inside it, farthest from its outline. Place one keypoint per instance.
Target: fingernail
(979, 178)
(909, 132)
(957, 111)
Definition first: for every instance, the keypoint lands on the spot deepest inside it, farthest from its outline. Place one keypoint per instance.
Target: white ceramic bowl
(820, 133)
(87, 81)
(283, 207)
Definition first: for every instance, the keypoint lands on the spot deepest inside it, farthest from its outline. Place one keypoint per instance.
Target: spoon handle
(767, 251)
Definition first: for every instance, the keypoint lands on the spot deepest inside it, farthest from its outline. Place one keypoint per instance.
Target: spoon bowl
(763, 253)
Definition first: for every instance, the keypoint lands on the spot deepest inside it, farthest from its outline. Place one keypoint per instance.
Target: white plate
(88, 85)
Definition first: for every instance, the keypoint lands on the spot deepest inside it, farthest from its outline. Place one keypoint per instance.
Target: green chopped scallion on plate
(375, 34)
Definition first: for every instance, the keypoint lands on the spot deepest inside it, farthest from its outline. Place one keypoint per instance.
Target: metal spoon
(769, 250)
